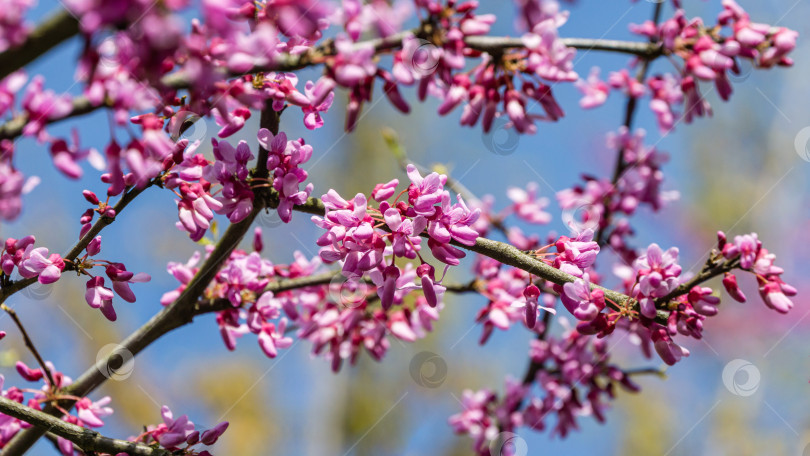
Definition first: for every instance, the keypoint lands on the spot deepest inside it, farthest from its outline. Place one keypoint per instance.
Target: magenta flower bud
(193, 438)
(109, 212)
(730, 283)
(87, 216)
(211, 436)
(2, 335)
(94, 247)
(395, 97)
(426, 269)
(721, 240)
(391, 274)
(90, 197)
(32, 375)
(258, 245)
(531, 293)
(85, 229)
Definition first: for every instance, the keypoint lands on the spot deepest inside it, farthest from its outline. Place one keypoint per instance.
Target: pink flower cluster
(31, 261)
(339, 317)
(711, 54)
(180, 434)
(513, 298)
(577, 380)
(358, 234)
(88, 413)
(640, 184)
(13, 183)
(13, 27)
(757, 260)
(283, 162)
(191, 176)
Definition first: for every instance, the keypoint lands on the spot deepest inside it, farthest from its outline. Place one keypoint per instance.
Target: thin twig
(629, 115)
(55, 29)
(13, 287)
(30, 344)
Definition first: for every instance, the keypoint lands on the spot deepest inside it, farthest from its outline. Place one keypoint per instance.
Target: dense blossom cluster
(373, 279)
(125, 69)
(20, 256)
(173, 434)
(179, 435)
(710, 53)
(639, 185)
(576, 381)
(88, 413)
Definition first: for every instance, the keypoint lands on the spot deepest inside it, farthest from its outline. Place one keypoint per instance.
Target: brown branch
(74, 252)
(711, 269)
(84, 438)
(54, 30)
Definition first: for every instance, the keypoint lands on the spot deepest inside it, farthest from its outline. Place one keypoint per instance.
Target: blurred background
(738, 171)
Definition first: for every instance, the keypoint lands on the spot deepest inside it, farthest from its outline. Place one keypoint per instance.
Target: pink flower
(271, 338)
(121, 278)
(382, 192)
(746, 246)
(528, 206)
(91, 413)
(37, 262)
(196, 209)
(100, 297)
(353, 63)
(41, 106)
(284, 160)
(404, 232)
(595, 91)
(583, 303)
(172, 432)
(669, 351)
(548, 57)
(775, 295)
(624, 81)
(425, 192)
